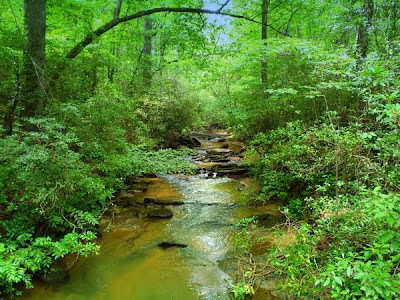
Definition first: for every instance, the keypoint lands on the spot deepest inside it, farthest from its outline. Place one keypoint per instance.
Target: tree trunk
(111, 65)
(147, 52)
(8, 106)
(364, 28)
(34, 58)
(394, 17)
(264, 36)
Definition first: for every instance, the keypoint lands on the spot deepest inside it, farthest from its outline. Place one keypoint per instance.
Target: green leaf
(338, 280)
(349, 271)
(327, 281)
(390, 219)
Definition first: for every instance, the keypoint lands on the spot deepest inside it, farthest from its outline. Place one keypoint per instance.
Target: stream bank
(170, 236)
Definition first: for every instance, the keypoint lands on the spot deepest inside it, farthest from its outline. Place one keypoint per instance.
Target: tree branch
(89, 38)
(117, 10)
(223, 5)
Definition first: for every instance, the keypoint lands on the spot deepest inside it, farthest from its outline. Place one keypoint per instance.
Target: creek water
(131, 265)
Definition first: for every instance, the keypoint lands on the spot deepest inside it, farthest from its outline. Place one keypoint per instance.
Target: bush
(352, 253)
(49, 200)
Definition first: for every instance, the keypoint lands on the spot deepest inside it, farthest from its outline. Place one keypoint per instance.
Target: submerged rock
(270, 220)
(167, 202)
(167, 245)
(139, 189)
(57, 275)
(125, 200)
(155, 201)
(160, 213)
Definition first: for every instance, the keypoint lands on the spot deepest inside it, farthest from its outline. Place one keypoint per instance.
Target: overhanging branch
(89, 38)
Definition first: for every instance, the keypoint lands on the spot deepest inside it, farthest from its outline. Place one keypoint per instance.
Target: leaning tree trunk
(147, 52)
(34, 58)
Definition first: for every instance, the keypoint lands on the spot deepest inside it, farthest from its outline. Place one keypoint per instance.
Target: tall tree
(34, 94)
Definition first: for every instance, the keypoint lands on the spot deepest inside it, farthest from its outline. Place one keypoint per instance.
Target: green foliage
(22, 257)
(115, 140)
(326, 172)
(169, 109)
(241, 290)
(323, 128)
(243, 238)
(304, 81)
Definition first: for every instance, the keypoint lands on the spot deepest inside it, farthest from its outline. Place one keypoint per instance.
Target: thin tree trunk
(111, 65)
(147, 52)
(264, 36)
(34, 58)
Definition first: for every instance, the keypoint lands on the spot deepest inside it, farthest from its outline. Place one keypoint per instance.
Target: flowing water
(131, 265)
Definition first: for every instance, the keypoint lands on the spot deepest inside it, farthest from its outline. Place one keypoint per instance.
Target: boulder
(162, 213)
(233, 171)
(190, 142)
(230, 169)
(219, 151)
(219, 139)
(225, 146)
(148, 201)
(196, 141)
(223, 159)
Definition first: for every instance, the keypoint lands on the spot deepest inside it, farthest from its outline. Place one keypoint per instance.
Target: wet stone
(189, 142)
(148, 201)
(162, 213)
(225, 146)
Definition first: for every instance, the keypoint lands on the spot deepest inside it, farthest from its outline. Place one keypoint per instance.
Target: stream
(199, 236)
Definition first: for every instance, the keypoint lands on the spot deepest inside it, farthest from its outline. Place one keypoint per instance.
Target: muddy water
(132, 266)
